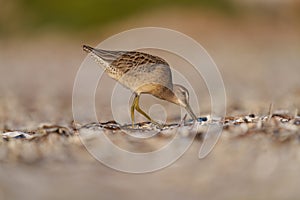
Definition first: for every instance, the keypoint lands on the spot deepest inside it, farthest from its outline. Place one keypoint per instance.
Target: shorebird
(142, 73)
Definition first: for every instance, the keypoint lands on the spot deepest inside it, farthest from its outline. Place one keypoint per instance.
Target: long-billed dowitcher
(142, 73)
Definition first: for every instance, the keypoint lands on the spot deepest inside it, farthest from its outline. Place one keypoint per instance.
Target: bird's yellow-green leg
(132, 109)
(137, 107)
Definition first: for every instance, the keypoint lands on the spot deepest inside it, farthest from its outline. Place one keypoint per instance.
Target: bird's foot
(160, 126)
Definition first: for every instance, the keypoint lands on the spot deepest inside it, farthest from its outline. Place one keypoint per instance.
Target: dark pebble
(252, 115)
(202, 119)
(20, 136)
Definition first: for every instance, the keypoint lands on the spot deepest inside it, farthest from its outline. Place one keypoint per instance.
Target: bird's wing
(118, 63)
(108, 56)
(125, 61)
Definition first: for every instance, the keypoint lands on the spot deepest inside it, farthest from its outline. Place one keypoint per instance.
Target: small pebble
(252, 115)
(202, 119)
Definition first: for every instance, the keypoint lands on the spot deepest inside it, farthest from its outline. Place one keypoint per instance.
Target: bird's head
(182, 99)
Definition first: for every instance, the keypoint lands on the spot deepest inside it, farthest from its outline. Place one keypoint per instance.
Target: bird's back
(135, 69)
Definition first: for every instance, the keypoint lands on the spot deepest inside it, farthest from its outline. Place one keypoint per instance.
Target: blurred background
(255, 44)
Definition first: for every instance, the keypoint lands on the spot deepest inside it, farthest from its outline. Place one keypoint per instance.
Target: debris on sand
(279, 125)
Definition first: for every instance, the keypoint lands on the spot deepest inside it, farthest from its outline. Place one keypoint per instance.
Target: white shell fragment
(17, 134)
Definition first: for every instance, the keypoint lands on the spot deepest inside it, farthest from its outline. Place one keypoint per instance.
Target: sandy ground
(259, 62)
